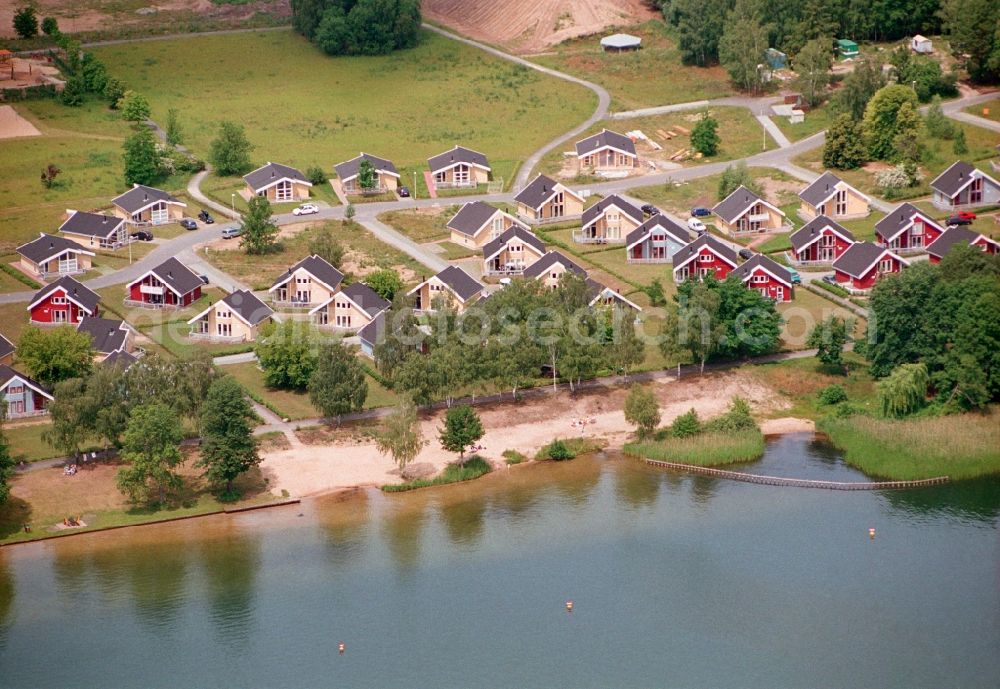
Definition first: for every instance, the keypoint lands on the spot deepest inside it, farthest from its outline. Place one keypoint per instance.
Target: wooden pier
(796, 482)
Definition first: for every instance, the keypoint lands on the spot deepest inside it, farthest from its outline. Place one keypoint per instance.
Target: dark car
(142, 236)
(959, 219)
(830, 279)
(189, 224)
(700, 212)
(404, 192)
(746, 253)
(205, 217)
(650, 209)
(204, 279)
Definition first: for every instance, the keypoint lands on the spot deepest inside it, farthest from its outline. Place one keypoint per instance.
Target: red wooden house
(63, 301)
(767, 276)
(703, 257)
(821, 240)
(960, 235)
(169, 284)
(906, 228)
(862, 265)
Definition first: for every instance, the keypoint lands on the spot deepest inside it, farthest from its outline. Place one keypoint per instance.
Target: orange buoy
(569, 606)
(871, 533)
(341, 647)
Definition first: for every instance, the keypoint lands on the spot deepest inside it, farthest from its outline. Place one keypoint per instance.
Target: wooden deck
(796, 482)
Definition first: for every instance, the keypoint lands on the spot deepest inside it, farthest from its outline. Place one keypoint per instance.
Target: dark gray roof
(542, 265)
(949, 238)
(271, 173)
(7, 374)
(372, 332)
(349, 169)
(595, 211)
(820, 190)
(140, 196)
(82, 295)
(805, 235)
(695, 247)
(108, 334)
(121, 359)
(537, 192)
(472, 217)
(897, 219)
(735, 204)
(47, 246)
(319, 268)
(365, 297)
(745, 270)
(858, 258)
(602, 139)
(461, 283)
(178, 276)
(954, 179)
(247, 306)
(6, 347)
(659, 220)
(92, 224)
(458, 154)
(521, 233)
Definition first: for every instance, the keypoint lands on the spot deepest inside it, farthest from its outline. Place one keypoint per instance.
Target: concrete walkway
(195, 192)
(771, 128)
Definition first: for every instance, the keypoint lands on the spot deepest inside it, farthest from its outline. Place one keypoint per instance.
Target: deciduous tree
(400, 435)
(141, 159)
(904, 391)
(151, 448)
(324, 244)
(844, 148)
(6, 461)
(735, 176)
(858, 88)
(461, 429)
(705, 136)
(134, 107)
(642, 410)
(260, 233)
(54, 354)
(230, 150)
(743, 44)
(828, 338)
(812, 65)
(228, 446)
(25, 22)
(49, 175)
(880, 124)
(386, 283)
(366, 175)
(338, 384)
(287, 354)
(50, 26)
(174, 132)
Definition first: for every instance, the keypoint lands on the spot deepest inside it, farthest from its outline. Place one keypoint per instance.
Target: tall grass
(473, 468)
(960, 446)
(704, 449)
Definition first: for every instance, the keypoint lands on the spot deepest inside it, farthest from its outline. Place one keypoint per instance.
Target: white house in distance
(142, 205)
(237, 317)
(921, 44)
(606, 151)
(352, 308)
(311, 281)
(744, 212)
(52, 256)
(452, 287)
(386, 175)
(459, 168)
(608, 221)
(833, 197)
(279, 183)
(546, 201)
(95, 230)
(963, 186)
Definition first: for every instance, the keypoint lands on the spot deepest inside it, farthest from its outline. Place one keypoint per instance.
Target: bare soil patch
(12, 125)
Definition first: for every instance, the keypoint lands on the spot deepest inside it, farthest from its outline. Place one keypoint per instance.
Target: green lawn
(990, 110)
(816, 120)
(226, 190)
(453, 252)
(424, 225)
(679, 198)
(648, 77)
(26, 442)
(303, 108)
(806, 310)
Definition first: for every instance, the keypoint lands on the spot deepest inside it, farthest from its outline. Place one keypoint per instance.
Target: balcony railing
(504, 271)
(212, 337)
(549, 220)
(665, 259)
(469, 184)
(581, 237)
(294, 303)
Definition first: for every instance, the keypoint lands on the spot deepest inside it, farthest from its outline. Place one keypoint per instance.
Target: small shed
(921, 44)
(776, 59)
(847, 48)
(620, 42)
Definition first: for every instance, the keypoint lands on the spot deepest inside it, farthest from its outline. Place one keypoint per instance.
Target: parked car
(142, 236)
(306, 209)
(231, 232)
(968, 215)
(700, 212)
(404, 192)
(205, 217)
(830, 279)
(696, 225)
(958, 219)
(650, 209)
(189, 224)
(204, 279)
(796, 278)
(746, 254)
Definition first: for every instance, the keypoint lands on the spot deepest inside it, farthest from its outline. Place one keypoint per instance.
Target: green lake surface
(677, 581)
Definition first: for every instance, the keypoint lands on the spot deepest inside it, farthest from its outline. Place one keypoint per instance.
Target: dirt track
(532, 25)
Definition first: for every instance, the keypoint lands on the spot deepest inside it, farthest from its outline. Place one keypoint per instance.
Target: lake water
(677, 581)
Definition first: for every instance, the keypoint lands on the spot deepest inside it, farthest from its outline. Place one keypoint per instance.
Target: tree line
(358, 27)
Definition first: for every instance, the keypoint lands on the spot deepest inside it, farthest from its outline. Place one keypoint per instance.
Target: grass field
(704, 449)
(679, 198)
(805, 311)
(401, 107)
(648, 77)
(800, 380)
(424, 225)
(816, 120)
(990, 110)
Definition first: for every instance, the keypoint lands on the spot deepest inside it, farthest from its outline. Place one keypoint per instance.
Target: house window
(461, 174)
(685, 272)
(841, 201)
(558, 207)
(323, 317)
(222, 314)
(344, 321)
(976, 191)
(828, 240)
(760, 278)
(657, 252)
(15, 390)
(59, 300)
(224, 329)
(497, 228)
(158, 213)
(515, 248)
(779, 293)
(704, 272)
(60, 316)
(705, 258)
(68, 264)
(15, 407)
(885, 265)
(283, 191)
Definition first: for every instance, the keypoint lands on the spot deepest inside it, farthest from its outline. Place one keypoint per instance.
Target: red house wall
(42, 312)
(771, 285)
(868, 280)
(720, 267)
(840, 246)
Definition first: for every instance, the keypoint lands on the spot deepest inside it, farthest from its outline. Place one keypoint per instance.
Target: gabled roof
(596, 290)
(463, 285)
(370, 333)
(706, 241)
(734, 206)
(823, 189)
(497, 245)
(540, 190)
(658, 221)
(860, 257)
(140, 197)
(958, 177)
(82, 296)
(121, 359)
(605, 139)
(898, 219)
(268, 175)
(92, 224)
(175, 275)
(8, 375)
(245, 305)
(598, 209)
(362, 296)
(317, 267)
(761, 262)
(108, 334)
(952, 236)
(349, 169)
(6, 347)
(48, 246)
(813, 230)
(473, 217)
(456, 156)
(542, 266)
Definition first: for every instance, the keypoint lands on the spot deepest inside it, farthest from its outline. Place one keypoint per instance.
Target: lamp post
(414, 185)
(232, 201)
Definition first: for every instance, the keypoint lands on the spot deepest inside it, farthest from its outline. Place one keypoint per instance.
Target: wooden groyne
(796, 482)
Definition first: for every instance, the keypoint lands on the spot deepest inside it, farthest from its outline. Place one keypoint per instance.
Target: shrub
(514, 457)
(50, 27)
(686, 425)
(558, 451)
(570, 448)
(472, 468)
(26, 22)
(316, 175)
(737, 419)
(832, 394)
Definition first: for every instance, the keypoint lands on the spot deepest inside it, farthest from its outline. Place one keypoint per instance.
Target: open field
(800, 380)
(423, 224)
(678, 198)
(645, 78)
(990, 110)
(806, 310)
(332, 108)
(226, 190)
(816, 120)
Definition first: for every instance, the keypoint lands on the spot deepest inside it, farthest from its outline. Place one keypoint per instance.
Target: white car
(306, 209)
(696, 225)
